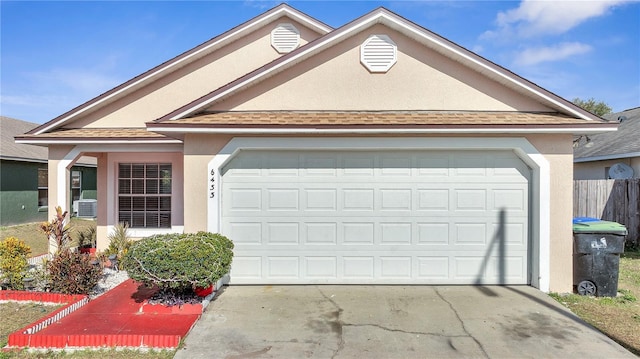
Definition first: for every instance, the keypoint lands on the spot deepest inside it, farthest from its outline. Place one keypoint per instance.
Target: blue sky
(55, 55)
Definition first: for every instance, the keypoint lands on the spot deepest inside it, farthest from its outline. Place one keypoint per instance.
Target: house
(24, 188)
(373, 153)
(595, 155)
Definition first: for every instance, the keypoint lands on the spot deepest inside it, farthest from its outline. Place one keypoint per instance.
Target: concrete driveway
(392, 322)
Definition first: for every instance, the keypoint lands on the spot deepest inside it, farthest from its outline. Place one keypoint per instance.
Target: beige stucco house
(377, 152)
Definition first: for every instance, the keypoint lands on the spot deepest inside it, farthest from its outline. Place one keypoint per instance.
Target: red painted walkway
(119, 317)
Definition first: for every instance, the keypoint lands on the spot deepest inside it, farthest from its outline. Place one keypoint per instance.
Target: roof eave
(79, 141)
(390, 129)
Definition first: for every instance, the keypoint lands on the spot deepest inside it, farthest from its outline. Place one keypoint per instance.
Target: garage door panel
(436, 199)
(321, 233)
(358, 233)
(473, 199)
(395, 233)
(358, 268)
(395, 199)
(358, 199)
(245, 199)
(245, 232)
(397, 217)
(283, 233)
(433, 234)
(321, 267)
(396, 267)
(320, 199)
(283, 267)
(433, 268)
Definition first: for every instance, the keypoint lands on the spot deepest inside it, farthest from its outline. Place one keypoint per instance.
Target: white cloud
(77, 80)
(44, 95)
(544, 17)
(533, 56)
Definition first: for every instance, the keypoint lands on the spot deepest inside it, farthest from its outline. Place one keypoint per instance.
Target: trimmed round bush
(179, 262)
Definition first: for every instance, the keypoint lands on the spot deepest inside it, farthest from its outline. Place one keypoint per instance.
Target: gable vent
(285, 38)
(378, 53)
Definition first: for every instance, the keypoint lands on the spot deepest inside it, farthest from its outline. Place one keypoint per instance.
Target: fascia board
(48, 141)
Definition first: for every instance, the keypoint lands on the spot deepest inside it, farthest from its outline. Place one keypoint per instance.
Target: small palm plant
(119, 240)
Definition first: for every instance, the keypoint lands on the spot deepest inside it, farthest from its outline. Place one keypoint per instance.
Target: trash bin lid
(600, 227)
(584, 219)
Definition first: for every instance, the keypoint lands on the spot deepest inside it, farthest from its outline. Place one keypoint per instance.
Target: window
(43, 187)
(76, 185)
(144, 194)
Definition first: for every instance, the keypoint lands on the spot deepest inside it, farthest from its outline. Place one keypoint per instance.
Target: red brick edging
(26, 336)
(23, 337)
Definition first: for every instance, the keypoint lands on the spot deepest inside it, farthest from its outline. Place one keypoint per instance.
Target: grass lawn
(31, 234)
(17, 315)
(619, 317)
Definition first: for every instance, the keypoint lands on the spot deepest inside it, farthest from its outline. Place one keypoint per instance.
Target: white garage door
(385, 217)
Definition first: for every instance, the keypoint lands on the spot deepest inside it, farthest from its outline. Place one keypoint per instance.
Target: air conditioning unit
(87, 208)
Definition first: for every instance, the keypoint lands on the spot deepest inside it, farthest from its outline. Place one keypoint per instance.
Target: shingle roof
(100, 134)
(368, 118)
(622, 143)
(9, 128)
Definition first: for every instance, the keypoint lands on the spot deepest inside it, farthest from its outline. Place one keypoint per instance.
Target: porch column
(59, 178)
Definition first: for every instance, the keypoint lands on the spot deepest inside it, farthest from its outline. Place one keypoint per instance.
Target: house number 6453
(212, 188)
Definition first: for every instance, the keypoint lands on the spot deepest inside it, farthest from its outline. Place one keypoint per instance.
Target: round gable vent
(285, 38)
(378, 53)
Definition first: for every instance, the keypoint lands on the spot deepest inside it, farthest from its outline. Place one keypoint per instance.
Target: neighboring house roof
(623, 143)
(9, 150)
(182, 60)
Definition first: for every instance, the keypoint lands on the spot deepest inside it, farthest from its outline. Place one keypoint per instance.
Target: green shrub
(119, 241)
(13, 262)
(178, 262)
(73, 273)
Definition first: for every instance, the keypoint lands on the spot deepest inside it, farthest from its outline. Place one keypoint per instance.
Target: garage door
(384, 217)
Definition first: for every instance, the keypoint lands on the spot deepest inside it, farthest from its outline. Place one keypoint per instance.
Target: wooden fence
(610, 200)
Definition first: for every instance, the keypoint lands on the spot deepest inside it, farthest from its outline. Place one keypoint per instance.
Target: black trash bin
(597, 246)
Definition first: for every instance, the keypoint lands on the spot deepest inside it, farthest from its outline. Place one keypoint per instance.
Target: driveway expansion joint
(464, 328)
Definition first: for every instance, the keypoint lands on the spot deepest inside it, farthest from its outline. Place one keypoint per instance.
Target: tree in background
(596, 107)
